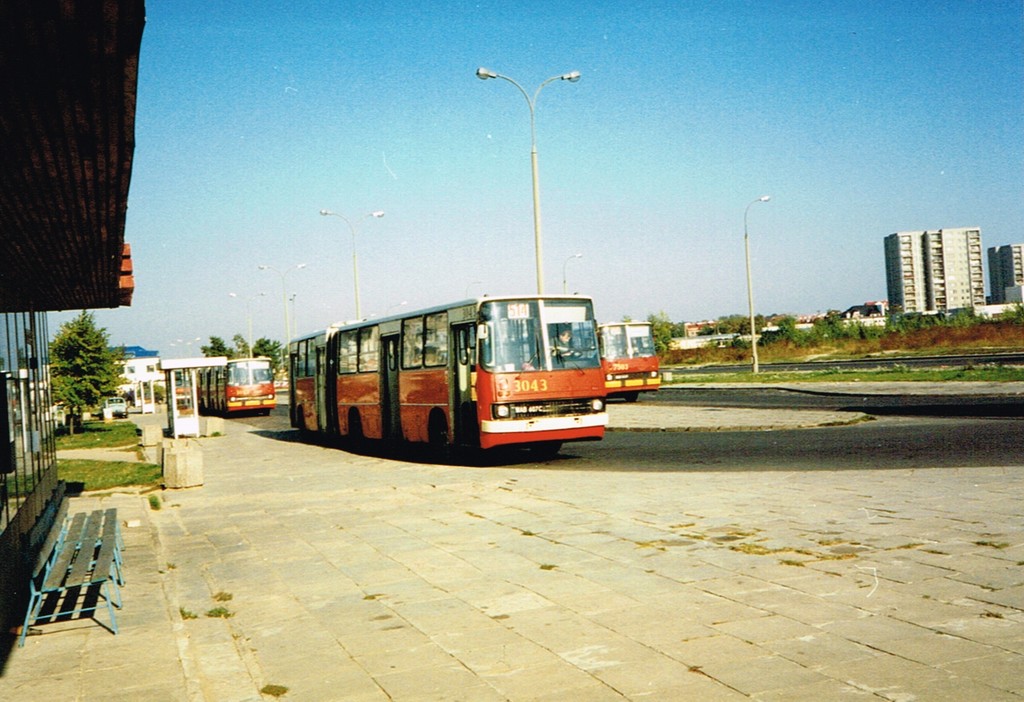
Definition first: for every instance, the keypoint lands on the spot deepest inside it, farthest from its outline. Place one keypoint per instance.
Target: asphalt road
(884, 444)
(888, 442)
(979, 405)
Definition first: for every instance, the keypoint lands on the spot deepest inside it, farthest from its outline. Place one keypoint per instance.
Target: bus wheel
(631, 396)
(440, 444)
(546, 451)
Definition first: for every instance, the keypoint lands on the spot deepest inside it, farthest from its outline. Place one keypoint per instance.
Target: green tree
(270, 349)
(216, 347)
(1014, 315)
(83, 368)
(242, 349)
(661, 329)
(785, 331)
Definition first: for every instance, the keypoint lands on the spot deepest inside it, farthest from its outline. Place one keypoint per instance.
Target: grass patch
(220, 613)
(754, 549)
(223, 597)
(885, 375)
(186, 614)
(154, 503)
(103, 475)
(274, 690)
(116, 434)
(993, 544)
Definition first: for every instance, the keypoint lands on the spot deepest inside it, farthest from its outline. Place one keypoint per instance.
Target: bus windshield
(627, 341)
(536, 335)
(249, 373)
(641, 341)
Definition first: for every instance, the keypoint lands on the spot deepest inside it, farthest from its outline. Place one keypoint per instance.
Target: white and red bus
(244, 385)
(481, 373)
(629, 360)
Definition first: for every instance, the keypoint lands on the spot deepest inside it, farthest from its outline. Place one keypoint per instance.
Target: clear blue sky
(858, 118)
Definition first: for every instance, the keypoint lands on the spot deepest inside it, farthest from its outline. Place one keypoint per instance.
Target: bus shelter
(182, 392)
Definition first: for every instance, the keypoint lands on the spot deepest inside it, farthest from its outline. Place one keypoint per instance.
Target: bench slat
(82, 564)
(66, 553)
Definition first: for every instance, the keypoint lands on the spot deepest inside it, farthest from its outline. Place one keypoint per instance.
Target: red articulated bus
(629, 360)
(244, 385)
(481, 373)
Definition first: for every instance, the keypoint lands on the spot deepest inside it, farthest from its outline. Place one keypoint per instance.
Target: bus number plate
(535, 385)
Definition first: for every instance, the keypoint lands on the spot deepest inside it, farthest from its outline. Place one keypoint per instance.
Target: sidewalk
(360, 578)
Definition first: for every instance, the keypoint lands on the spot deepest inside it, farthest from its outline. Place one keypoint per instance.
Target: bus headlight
(598, 404)
(502, 411)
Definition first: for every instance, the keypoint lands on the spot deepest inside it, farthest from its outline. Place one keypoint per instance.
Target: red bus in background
(629, 360)
(244, 385)
(481, 373)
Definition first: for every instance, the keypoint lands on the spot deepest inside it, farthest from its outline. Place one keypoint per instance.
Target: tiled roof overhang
(67, 135)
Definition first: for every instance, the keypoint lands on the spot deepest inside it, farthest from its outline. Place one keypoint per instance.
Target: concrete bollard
(182, 461)
(211, 426)
(151, 435)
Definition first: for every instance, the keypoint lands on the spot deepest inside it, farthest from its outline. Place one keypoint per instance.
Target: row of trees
(241, 349)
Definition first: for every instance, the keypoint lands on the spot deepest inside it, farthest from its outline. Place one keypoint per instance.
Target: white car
(116, 405)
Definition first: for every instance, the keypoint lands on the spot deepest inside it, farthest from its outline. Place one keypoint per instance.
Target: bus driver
(563, 347)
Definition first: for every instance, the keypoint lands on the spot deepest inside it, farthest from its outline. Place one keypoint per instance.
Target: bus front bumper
(528, 431)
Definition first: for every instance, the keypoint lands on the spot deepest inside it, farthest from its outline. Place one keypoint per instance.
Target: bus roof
(471, 301)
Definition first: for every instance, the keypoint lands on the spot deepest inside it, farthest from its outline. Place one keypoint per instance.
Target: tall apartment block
(1005, 270)
(939, 270)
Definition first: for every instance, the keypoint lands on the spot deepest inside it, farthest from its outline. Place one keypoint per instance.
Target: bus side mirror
(8, 461)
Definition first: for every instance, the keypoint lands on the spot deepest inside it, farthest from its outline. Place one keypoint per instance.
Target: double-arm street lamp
(565, 284)
(355, 265)
(284, 302)
(572, 77)
(750, 285)
(248, 314)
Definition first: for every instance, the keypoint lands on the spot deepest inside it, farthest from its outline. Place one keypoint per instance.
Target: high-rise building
(938, 270)
(1005, 270)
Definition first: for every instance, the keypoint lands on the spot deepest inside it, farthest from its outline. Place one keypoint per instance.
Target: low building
(142, 376)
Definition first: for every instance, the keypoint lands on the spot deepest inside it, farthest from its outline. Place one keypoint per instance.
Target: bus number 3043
(531, 385)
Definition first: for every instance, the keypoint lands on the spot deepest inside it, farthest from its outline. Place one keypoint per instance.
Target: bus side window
(369, 349)
(412, 343)
(436, 344)
(347, 350)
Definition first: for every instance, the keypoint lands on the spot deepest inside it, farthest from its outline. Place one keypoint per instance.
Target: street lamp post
(295, 317)
(572, 77)
(355, 265)
(565, 285)
(284, 302)
(248, 314)
(750, 285)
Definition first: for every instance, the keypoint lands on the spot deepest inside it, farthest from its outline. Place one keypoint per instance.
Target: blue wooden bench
(80, 554)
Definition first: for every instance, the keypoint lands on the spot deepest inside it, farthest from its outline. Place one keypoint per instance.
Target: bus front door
(391, 426)
(467, 427)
